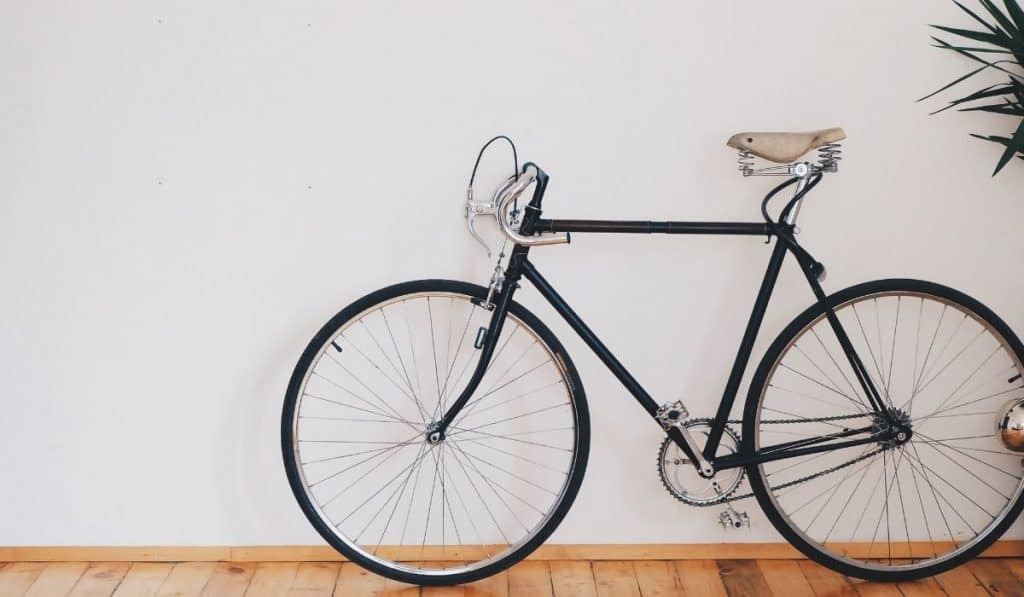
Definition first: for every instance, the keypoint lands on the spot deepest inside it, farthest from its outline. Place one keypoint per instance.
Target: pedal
(731, 519)
(672, 414)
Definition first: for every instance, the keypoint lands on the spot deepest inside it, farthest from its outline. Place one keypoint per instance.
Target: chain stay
(810, 477)
(732, 498)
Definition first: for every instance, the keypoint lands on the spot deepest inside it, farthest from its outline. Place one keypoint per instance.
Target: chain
(828, 471)
(808, 477)
(805, 420)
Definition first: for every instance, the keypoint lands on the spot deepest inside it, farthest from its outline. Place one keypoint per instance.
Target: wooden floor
(532, 578)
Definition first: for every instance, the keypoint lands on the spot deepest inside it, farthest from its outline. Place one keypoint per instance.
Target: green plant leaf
(1005, 34)
(995, 109)
(1015, 145)
(998, 15)
(1016, 13)
(955, 81)
(994, 138)
(1017, 53)
(1008, 107)
(985, 23)
(994, 64)
(990, 91)
(1004, 141)
(983, 50)
(989, 38)
(993, 91)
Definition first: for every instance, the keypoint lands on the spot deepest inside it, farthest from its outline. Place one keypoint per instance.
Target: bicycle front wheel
(945, 366)
(354, 434)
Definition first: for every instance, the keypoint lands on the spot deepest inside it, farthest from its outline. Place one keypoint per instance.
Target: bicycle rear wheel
(945, 365)
(354, 430)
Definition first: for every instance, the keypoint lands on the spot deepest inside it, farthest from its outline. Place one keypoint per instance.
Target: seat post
(801, 170)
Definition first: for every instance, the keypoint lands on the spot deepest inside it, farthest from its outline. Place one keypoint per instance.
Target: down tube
(591, 340)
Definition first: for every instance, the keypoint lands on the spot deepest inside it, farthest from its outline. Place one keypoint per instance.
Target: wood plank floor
(648, 578)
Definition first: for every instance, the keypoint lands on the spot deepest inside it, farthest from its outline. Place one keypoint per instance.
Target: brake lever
(476, 208)
(471, 217)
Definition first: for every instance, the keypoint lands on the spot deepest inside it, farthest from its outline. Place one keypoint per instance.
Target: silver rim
(913, 505)
(359, 436)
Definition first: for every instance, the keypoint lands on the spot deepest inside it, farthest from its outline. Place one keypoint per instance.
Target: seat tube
(739, 366)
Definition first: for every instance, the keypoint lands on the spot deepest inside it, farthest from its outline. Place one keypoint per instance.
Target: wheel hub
(895, 425)
(434, 435)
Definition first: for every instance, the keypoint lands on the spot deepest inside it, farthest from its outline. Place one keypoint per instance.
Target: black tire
(572, 381)
(849, 566)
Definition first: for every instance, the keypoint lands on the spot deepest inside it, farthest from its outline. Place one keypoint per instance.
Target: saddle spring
(829, 156)
(746, 162)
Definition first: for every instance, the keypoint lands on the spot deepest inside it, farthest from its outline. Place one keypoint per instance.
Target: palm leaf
(1003, 34)
(985, 50)
(1004, 141)
(983, 22)
(1015, 12)
(1006, 109)
(993, 91)
(994, 64)
(998, 15)
(1014, 146)
(955, 81)
(989, 38)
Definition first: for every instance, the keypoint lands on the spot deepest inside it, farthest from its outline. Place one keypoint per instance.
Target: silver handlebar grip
(509, 193)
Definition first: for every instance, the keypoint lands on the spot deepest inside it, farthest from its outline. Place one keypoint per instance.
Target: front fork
(499, 306)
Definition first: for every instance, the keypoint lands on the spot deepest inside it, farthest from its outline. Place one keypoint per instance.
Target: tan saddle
(784, 148)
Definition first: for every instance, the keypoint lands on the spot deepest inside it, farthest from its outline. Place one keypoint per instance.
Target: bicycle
(436, 431)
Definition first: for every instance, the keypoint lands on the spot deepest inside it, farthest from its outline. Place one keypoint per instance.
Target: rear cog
(680, 477)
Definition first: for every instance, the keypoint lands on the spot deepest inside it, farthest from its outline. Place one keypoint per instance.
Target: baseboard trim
(318, 553)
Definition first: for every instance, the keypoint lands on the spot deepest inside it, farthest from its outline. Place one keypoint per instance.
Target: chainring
(680, 477)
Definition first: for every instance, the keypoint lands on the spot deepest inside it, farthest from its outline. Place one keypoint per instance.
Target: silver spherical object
(1010, 426)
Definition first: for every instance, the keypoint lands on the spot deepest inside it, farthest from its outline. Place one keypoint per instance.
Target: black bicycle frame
(519, 267)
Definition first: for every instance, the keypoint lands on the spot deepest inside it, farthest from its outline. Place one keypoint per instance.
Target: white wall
(190, 189)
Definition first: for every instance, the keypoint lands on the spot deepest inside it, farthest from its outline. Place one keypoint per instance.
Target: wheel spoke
(374, 364)
(515, 417)
(365, 387)
(458, 350)
(925, 373)
(817, 382)
(928, 469)
(963, 404)
(405, 370)
(506, 437)
(867, 466)
(373, 412)
(835, 362)
(933, 445)
(492, 484)
(365, 460)
(871, 352)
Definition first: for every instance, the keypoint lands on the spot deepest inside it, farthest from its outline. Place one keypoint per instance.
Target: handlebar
(510, 194)
(503, 196)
